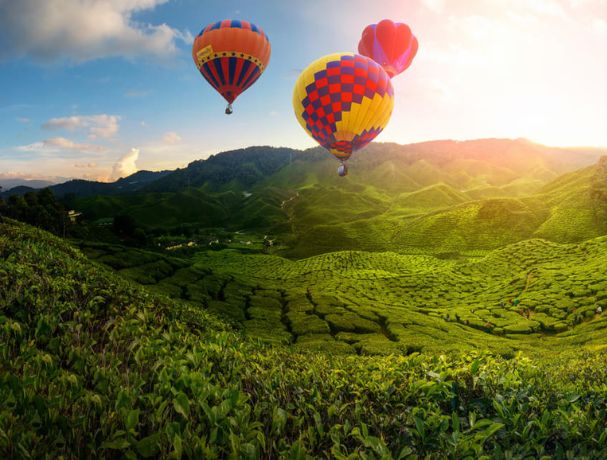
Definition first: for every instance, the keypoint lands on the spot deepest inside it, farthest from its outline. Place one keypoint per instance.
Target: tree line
(39, 208)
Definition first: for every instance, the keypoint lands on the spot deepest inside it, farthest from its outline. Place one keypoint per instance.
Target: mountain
(442, 219)
(238, 169)
(17, 190)
(8, 184)
(465, 165)
(134, 182)
(440, 196)
(83, 188)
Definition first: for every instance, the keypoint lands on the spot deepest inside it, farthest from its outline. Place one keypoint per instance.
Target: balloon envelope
(343, 101)
(231, 55)
(390, 44)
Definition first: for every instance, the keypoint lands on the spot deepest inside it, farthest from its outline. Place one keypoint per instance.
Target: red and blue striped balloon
(231, 55)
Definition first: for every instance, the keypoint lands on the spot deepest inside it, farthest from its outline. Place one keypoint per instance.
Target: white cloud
(67, 144)
(171, 138)
(544, 7)
(126, 166)
(82, 30)
(102, 125)
(159, 155)
(35, 147)
(587, 3)
(23, 120)
(56, 144)
(530, 10)
(17, 175)
(85, 165)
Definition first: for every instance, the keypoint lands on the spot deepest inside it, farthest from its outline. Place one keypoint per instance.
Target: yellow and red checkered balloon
(343, 101)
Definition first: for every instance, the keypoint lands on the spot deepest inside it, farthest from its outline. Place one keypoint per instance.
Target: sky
(99, 89)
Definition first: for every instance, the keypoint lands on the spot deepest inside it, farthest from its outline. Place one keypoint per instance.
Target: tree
(124, 225)
(40, 209)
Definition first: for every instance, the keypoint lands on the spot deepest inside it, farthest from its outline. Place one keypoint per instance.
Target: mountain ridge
(194, 173)
(395, 196)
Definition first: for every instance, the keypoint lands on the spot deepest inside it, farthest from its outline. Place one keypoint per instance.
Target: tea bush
(92, 365)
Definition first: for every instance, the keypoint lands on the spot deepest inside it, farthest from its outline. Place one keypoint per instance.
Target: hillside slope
(92, 366)
(438, 218)
(442, 196)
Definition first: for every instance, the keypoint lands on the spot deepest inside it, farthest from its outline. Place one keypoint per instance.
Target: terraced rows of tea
(92, 365)
(531, 295)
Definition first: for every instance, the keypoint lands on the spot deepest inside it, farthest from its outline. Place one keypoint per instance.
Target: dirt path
(284, 202)
(289, 213)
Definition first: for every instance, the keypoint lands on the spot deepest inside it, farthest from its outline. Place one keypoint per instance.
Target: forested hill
(237, 169)
(83, 188)
(481, 164)
(484, 163)
(444, 195)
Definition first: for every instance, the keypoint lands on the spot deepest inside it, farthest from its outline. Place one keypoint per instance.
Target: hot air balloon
(390, 44)
(343, 101)
(231, 55)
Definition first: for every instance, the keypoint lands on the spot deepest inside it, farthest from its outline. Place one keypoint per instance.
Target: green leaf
(297, 451)
(182, 404)
(455, 422)
(177, 447)
(493, 429)
(148, 447)
(132, 419)
(117, 444)
(43, 329)
(247, 450)
(475, 365)
(279, 420)
(404, 452)
(122, 401)
(419, 425)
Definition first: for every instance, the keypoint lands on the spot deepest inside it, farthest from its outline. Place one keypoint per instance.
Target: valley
(532, 296)
(445, 301)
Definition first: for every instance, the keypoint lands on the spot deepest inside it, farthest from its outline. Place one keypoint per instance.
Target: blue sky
(101, 88)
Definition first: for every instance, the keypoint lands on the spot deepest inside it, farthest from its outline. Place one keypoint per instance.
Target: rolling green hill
(356, 302)
(93, 365)
(441, 196)
(445, 300)
(440, 218)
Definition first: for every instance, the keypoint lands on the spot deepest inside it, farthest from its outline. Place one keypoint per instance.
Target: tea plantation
(94, 365)
(534, 295)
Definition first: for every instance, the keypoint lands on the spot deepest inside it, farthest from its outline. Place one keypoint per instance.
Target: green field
(447, 301)
(93, 365)
(435, 196)
(533, 296)
(525, 272)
